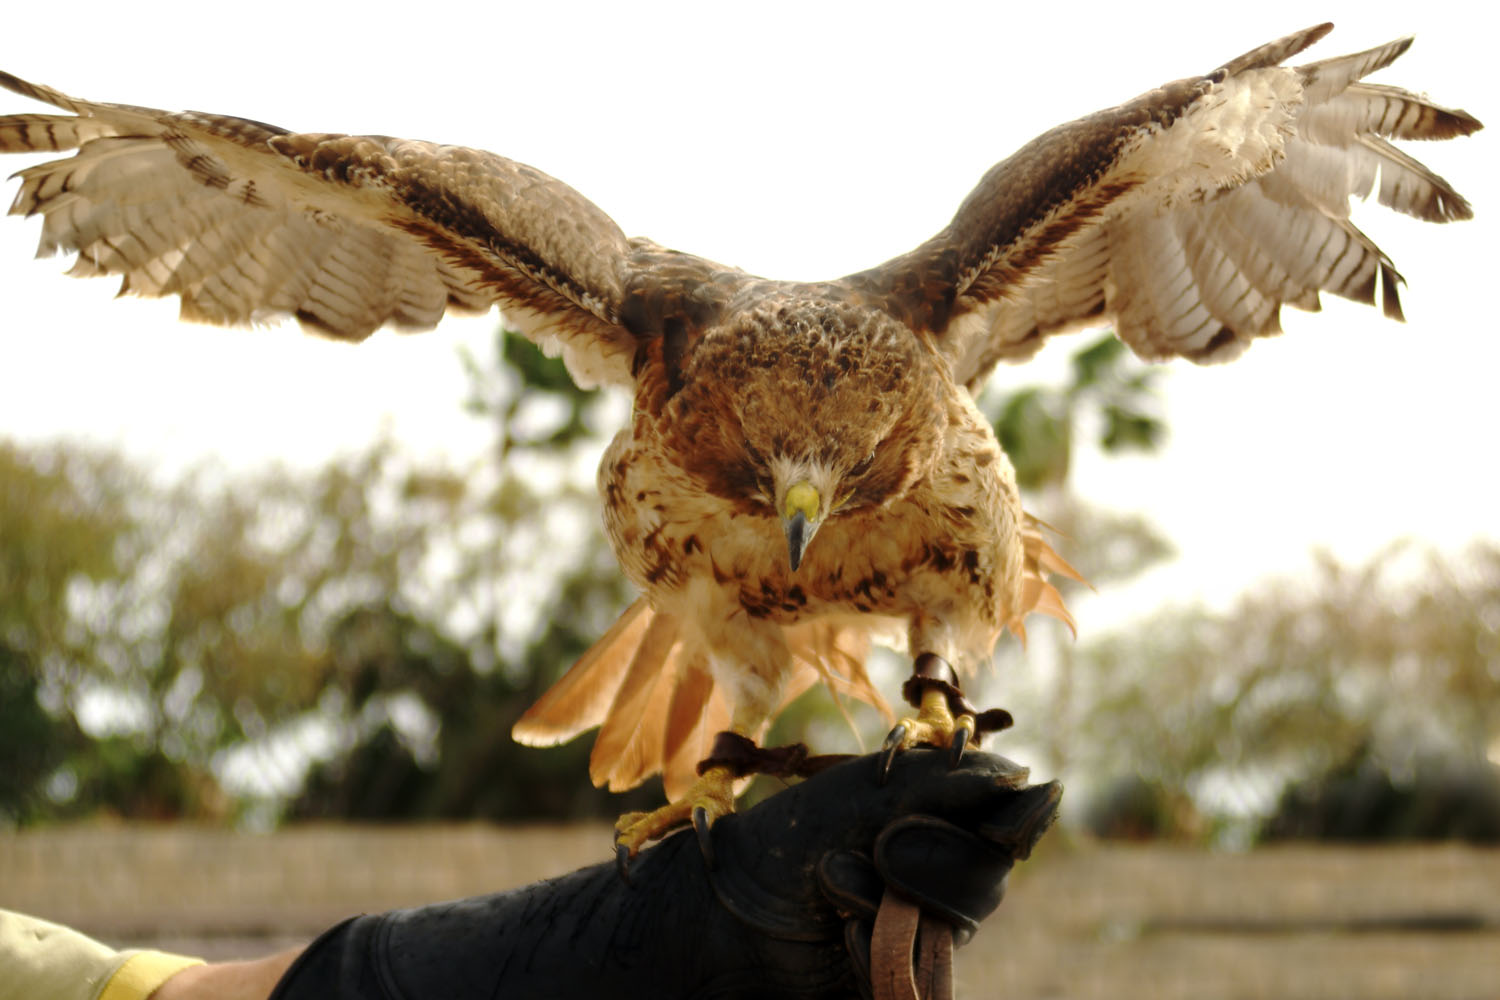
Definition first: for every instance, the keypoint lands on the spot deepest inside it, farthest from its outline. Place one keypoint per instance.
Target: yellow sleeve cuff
(40, 960)
(142, 972)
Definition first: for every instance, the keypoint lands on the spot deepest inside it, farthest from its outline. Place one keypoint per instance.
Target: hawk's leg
(749, 658)
(945, 718)
(733, 756)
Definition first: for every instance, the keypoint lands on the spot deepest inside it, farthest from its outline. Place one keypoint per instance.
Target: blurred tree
(374, 618)
(1131, 807)
(149, 639)
(64, 521)
(1435, 800)
(1106, 388)
(67, 529)
(34, 743)
(1372, 670)
(1109, 400)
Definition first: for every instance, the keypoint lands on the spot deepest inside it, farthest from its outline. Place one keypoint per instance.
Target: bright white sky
(795, 140)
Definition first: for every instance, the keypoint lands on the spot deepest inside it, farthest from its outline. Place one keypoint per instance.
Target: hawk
(804, 464)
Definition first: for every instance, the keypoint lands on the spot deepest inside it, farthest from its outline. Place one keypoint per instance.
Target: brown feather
(1183, 217)
(656, 701)
(581, 698)
(247, 222)
(835, 654)
(1038, 595)
(682, 724)
(680, 768)
(619, 759)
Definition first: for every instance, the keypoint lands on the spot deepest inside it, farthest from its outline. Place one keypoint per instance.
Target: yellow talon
(713, 793)
(934, 724)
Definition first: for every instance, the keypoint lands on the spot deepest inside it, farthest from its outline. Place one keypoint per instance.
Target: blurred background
(258, 593)
(354, 642)
(225, 700)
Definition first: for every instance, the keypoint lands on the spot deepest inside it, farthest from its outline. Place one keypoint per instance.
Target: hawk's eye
(863, 465)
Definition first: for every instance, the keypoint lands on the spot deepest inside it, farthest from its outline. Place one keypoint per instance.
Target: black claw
(705, 842)
(889, 749)
(622, 864)
(962, 735)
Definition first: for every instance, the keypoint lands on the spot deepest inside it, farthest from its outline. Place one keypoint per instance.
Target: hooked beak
(799, 531)
(799, 519)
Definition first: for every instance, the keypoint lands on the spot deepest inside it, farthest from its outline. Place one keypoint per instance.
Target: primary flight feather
(804, 461)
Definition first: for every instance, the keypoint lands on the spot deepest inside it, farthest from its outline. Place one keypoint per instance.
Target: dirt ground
(1079, 921)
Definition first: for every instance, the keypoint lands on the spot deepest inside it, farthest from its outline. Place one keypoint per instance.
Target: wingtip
(37, 92)
(1275, 52)
(1316, 32)
(13, 83)
(1465, 123)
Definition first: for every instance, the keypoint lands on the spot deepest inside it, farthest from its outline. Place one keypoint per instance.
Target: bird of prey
(804, 464)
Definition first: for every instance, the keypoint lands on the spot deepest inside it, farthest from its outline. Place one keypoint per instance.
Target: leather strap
(743, 758)
(911, 953)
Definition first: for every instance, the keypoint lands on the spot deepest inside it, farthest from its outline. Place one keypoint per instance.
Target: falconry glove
(804, 896)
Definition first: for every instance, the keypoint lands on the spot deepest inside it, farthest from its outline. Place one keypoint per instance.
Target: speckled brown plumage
(768, 411)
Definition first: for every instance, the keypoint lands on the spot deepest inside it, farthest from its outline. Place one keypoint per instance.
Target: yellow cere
(804, 498)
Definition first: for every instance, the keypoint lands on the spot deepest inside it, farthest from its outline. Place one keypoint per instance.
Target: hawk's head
(807, 410)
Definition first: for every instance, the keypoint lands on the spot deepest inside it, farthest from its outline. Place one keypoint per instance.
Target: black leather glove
(785, 908)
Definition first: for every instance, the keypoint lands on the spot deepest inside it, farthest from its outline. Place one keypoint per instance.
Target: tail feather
(686, 739)
(631, 740)
(688, 703)
(646, 684)
(1038, 594)
(693, 741)
(834, 653)
(581, 698)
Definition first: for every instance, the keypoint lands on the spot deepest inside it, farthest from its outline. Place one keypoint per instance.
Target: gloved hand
(785, 908)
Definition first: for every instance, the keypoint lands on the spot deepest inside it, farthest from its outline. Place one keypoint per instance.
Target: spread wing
(1186, 217)
(249, 223)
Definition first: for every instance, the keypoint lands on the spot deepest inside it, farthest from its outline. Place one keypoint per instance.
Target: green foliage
(155, 638)
(1360, 801)
(1035, 428)
(1383, 666)
(1134, 808)
(64, 526)
(383, 650)
(1037, 425)
(473, 769)
(521, 377)
(33, 742)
